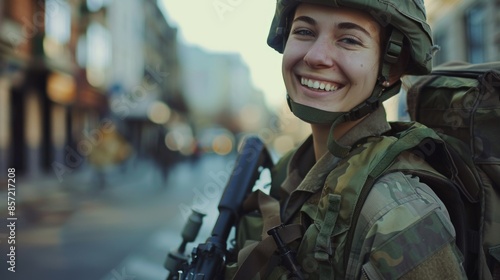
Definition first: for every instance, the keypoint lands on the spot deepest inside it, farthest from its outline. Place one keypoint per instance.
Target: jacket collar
(307, 175)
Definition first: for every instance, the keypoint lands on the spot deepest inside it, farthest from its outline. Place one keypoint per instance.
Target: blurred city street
(124, 231)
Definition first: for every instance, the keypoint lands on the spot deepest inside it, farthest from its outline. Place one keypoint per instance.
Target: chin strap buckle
(369, 106)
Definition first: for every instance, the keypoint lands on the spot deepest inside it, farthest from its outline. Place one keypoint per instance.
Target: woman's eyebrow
(351, 25)
(342, 25)
(306, 19)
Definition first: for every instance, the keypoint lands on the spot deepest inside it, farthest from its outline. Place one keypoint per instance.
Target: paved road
(146, 263)
(122, 232)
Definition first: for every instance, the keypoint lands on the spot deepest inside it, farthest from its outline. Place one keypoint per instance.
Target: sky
(237, 26)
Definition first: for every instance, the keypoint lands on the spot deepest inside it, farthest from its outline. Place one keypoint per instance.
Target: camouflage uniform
(403, 230)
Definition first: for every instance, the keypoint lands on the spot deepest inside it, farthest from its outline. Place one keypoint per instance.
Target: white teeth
(317, 84)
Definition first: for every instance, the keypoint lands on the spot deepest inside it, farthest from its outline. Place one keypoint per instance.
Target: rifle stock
(208, 259)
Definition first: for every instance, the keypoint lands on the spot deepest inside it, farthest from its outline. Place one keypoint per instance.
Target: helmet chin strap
(379, 94)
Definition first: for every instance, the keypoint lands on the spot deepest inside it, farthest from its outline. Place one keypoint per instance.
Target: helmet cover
(408, 16)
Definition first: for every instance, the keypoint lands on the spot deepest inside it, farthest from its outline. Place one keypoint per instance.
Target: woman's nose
(320, 54)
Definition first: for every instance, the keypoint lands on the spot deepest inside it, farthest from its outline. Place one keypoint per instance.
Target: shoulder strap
(258, 256)
(409, 139)
(255, 258)
(279, 173)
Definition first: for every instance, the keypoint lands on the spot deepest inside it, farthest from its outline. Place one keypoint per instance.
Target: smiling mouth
(318, 85)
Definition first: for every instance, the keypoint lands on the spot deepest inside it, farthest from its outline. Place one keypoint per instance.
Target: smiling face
(331, 57)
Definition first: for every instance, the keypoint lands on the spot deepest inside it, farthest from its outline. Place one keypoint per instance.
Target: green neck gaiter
(317, 116)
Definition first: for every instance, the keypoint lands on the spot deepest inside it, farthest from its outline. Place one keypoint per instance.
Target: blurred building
(42, 98)
(145, 88)
(466, 30)
(221, 98)
(70, 70)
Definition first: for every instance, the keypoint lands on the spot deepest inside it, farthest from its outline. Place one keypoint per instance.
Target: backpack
(461, 102)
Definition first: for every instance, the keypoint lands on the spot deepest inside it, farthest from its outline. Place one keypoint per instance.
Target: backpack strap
(279, 173)
(255, 258)
(268, 207)
(409, 138)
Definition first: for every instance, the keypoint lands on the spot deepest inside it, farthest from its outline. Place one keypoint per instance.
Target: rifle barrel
(243, 177)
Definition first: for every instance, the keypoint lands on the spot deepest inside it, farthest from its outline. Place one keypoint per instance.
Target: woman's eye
(350, 41)
(303, 32)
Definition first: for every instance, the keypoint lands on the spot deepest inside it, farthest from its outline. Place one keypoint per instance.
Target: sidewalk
(47, 201)
(69, 229)
(80, 232)
(38, 196)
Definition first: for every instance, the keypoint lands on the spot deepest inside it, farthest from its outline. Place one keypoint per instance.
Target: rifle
(208, 259)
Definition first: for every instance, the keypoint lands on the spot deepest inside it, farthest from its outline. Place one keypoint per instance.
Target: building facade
(145, 88)
(40, 85)
(221, 98)
(62, 65)
(466, 30)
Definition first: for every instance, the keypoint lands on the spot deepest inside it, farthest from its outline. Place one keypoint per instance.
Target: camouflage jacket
(403, 230)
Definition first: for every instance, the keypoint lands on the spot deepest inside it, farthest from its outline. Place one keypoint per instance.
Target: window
(475, 20)
(57, 20)
(57, 28)
(97, 53)
(96, 5)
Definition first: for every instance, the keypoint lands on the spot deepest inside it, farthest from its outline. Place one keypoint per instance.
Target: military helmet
(408, 16)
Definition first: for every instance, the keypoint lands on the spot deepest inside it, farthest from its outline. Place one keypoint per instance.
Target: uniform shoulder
(400, 212)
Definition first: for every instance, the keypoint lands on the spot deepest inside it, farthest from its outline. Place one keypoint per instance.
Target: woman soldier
(341, 59)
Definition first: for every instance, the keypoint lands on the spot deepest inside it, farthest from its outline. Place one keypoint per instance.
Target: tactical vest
(328, 218)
